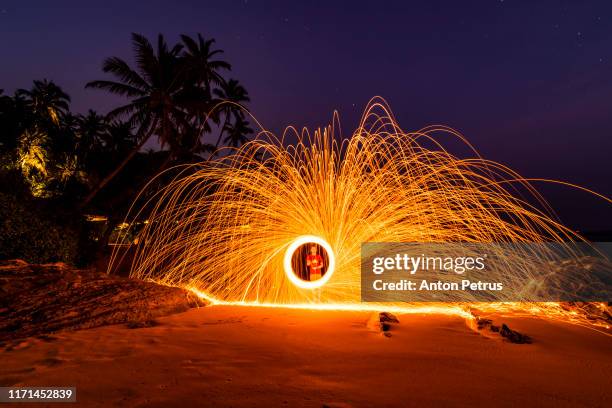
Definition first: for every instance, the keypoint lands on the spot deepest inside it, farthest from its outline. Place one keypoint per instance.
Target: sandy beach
(255, 356)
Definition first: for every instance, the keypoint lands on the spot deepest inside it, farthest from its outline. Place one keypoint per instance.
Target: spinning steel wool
(223, 227)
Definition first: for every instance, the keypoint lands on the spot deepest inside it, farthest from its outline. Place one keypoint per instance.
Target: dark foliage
(31, 232)
(56, 166)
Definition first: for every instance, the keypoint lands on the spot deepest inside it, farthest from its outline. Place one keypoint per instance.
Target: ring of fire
(292, 276)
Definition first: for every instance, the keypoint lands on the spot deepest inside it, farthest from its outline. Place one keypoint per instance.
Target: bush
(35, 234)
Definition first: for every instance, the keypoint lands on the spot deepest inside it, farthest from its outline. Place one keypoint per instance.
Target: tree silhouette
(234, 93)
(46, 100)
(237, 132)
(154, 86)
(90, 131)
(201, 66)
(171, 92)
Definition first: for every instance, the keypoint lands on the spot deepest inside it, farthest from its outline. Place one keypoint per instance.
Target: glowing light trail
(290, 273)
(223, 227)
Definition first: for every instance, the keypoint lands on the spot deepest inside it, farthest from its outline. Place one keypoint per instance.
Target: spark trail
(222, 226)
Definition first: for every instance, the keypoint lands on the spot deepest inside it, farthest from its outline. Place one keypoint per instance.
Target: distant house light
(96, 218)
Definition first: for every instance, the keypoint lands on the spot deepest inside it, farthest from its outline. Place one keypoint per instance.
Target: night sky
(530, 85)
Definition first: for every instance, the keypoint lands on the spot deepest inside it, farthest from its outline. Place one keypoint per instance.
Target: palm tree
(231, 91)
(118, 137)
(33, 159)
(202, 68)
(13, 118)
(46, 100)
(154, 86)
(41, 139)
(90, 129)
(237, 133)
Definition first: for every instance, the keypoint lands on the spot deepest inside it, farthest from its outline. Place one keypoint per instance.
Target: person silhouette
(314, 262)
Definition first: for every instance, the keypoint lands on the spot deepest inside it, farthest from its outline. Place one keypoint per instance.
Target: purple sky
(530, 85)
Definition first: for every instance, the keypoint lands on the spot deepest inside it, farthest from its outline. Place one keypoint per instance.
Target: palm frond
(115, 87)
(122, 70)
(144, 54)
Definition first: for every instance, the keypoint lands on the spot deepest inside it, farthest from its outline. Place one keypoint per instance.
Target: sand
(252, 356)
(40, 299)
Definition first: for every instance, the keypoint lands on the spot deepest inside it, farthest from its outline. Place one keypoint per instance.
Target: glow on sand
(223, 227)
